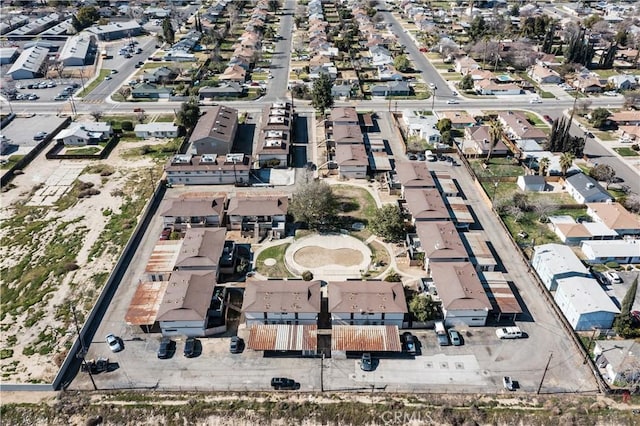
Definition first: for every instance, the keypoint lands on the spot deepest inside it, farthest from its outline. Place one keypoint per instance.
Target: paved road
(277, 86)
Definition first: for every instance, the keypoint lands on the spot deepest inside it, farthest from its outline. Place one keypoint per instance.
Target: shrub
(393, 277)
(127, 126)
(635, 147)
(612, 265)
(307, 275)
(71, 266)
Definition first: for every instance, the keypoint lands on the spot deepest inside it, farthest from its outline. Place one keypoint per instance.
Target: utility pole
(544, 373)
(83, 349)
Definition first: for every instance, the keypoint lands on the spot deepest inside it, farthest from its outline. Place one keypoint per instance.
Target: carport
(144, 305)
(504, 303)
(365, 338)
(284, 338)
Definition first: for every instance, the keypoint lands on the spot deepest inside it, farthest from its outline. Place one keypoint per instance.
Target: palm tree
(495, 134)
(566, 161)
(543, 166)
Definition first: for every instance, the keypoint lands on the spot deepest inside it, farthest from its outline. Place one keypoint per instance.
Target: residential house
(241, 61)
(364, 303)
(281, 302)
(186, 304)
(544, 75)
(623, 81)
(116, 30)
(459, 119)
(585, 304)
(388, 72)
(159, 75)
(208, 169)
(258, 215)
(626, 118)
(192, 210)
(327, 68)
(84, 134)
(342, 90)
(618, 360)
(478, 140)
(439, 241)
(492, 87)
(588, 84)
(150, 91)
(464, 300)
(343, 115)
(554, 262)
(352, 160)
(215, 131)
(347, 134)
(178, 56)
(615, 217)
(619, 251)
(274, 141)
(394, 88)
(32, 63)
(414, 175)
(585, 189)
(224, 90)
(516, 126)
(234, 73)
(156, 129)
(573, 233)
(531, 183)
(629, 134)
(425, 204)
(380, 56)
(466, 64)
(422, 126)
(201, 250)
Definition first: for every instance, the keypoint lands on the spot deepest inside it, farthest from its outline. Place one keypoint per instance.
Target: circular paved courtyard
(332, 257)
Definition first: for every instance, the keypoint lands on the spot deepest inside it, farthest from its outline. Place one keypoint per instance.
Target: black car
(366, 362)
(409, 343)
(166, 348)
(283, 383)
(190, 347)
(236, 345)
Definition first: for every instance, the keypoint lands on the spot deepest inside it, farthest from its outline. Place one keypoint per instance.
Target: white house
(84, 134)
(585, 189)
(156, 130)
(184, 309)
(585, 304)
(533, 183)
(544, 75)
(422, 126)
(366, 303)
(620, 251)
(554, 262)
(464, 300)
(281, 302)
(208, 169)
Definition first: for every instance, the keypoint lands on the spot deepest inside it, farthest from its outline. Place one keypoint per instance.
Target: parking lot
(21, 131)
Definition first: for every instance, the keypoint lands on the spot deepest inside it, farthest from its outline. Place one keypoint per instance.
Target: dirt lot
(57, 255)
(314, 256)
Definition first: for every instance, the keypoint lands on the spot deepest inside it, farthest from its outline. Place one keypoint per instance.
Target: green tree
(314, 204)
(307, 275)
(321, 98)
(466, 83)
(86, 16)
(387, 222)
(168, 32)
(478, 28)
(566, 161)
(444, 125)
(189, 114)
(622, 325)
(543, 166)
(423, 307)
(393, 277)
(599, 117)
(401, 63)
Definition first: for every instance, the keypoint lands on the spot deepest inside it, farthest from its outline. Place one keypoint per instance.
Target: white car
(113, 342)
(613, 277)
(452, 102)
(535, 101)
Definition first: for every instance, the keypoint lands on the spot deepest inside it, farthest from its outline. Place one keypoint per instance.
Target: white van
(509, 333)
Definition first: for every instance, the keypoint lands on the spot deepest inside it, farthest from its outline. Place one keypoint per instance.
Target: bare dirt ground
(314, 256)
(36, 325)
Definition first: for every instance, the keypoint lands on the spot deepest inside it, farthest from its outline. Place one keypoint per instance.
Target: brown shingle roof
(188, 296)
(282, 296)
(351, 155)
(349, 133)
(440, 240)
(366, 296)
(458, 286)
(414, 175)
(192, 206)
(201, 248)
(258, 205)
(220, 123)
(426, 204)
(344, 114)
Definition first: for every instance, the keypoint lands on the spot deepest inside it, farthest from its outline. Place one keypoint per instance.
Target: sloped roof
(188, 296)
(366, 296)
(282, 296)
(201, 248)
(458, 286)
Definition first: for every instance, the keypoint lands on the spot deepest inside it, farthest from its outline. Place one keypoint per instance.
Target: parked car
(114, 71)
(441, 333)
(282, 383)
(190, 347)
(455, 338)
(166, 348)
(409, 342)
(508, 383)
(236, 345)
(548, 119)
(366, 362)
(40, 136)
(509, 333)
(613, 277)
(523, 234)
(113, 342)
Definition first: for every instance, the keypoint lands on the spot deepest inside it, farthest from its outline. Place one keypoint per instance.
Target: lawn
(497, 167)
(536, 120)
(355, 202)
(605, 136)
(89, 150)
(99, 79)
(626, 152)
(279, 270)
